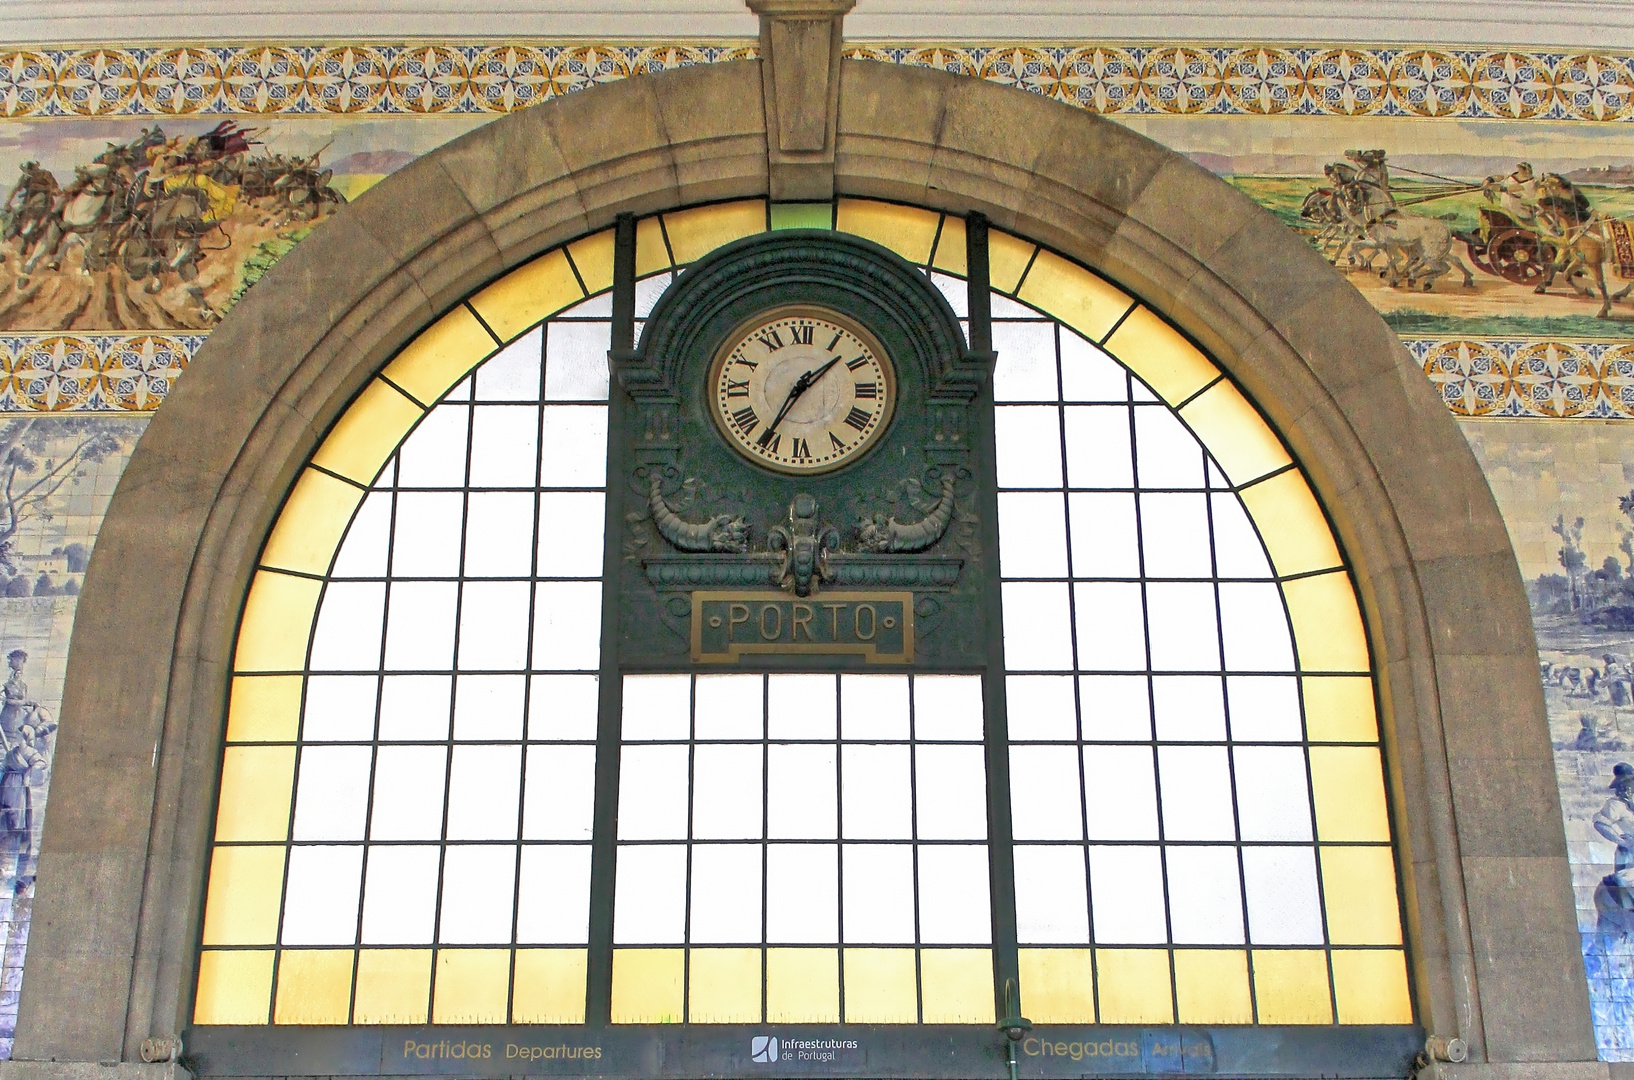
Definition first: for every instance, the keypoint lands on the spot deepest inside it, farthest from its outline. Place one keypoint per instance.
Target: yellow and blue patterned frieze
(90, 373)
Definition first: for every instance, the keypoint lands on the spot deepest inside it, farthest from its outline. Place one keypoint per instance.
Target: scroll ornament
(722, 532)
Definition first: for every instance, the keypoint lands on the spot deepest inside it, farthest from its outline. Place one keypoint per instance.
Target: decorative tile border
(91, 373)
(424, 79)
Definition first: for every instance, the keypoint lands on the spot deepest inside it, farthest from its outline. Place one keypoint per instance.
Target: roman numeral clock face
(802, 390)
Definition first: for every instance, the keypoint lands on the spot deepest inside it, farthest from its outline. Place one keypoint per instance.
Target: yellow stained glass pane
(1347, 783)
(241, 905)
(392, 986)
(1296, 534)
(1211, 986)
(473, 986)
(1234, 432)
(255, 788)
(1134, 986)
(368, 432)
(1007, 259)
(1085, 302)
(803, 986)
(880, 987)
(1339, 708)
(548, 987)
(314, 986)
(264, 708)
(310, 526)
(906, 230)
(950, 254)
(647, 986)
(1327, 624)
(441, 356)
(1291, 986)
(234, 987)
(1156, 351)
(1359, 889)
(957, 986)
(1058, 986)
(695, 233)
(593, 257)
(1371, 986)
(651, 253)
(723, 986)
(528, 294)
(277, 622)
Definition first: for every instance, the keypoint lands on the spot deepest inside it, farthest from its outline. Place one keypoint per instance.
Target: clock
(802, 390)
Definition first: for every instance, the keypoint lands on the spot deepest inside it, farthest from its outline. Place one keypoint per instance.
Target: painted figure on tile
(17, 705)
(1614, 899)
(23, 768)
(1516, 194)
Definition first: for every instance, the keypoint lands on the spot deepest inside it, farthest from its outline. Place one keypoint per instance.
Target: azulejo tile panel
(90, 373)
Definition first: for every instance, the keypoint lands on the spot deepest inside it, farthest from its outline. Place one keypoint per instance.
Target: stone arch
(1489, 909)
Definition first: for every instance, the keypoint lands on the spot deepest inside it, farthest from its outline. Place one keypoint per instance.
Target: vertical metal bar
(610, 699)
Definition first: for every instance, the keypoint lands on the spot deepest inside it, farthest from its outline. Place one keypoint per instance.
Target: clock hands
(801, 385)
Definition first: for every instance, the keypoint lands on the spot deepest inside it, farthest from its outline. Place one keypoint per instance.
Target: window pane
(652, 794)
(802, 796)
(347, 635)
(512, 374)
(948, 707)
(725, 893)
(1205, 903)
(801, 706)
(499, 534)
(408, 793)
(494, 625)
(363, 552)
(504, 441)
(1098, 447)
(1044, 793)
(1051, 904)
(649, 907)
(554, 902)
(1120, 792)
(434, 455)
(1174, 535)
(562, 707)
(1181, 620)
(1281, 887)
(874, 706)
(1166, 454)
(727, 792)
(339, 708)
(1029, 446)
(1126, 887)
(878, 907)
(1255, 628)
(876, 797)
(400, 896)
(483, 788)
(1189, 707)
(729, 707)
(1111, 627)
(489, 706)
(479, 884)
(572, 525)
(1104, 540)
(1196, 793)
(1032, 535)
(803, 893)
(1273, 802)
(560, 793)
(1263, 707)
(426, 534)
(332, 794)
(576, 361)
(567, 625)
(1088, 374)
(1026, 364)
(1237, 546)
(1041, 707)
(1116, 707)
(657, 706)
(953, 890)
(568, 430)
(321, 896)
(420, 626)
(414, 706)
(1037, 626)
(950, 792)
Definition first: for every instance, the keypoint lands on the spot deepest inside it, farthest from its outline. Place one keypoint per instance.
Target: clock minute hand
(801, 385)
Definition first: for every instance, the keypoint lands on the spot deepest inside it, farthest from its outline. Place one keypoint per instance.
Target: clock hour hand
(805, 382)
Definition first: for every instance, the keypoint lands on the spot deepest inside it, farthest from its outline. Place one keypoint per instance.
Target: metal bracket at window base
(161, 1048)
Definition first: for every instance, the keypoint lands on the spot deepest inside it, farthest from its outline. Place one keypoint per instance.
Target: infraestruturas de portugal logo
(769, 1049)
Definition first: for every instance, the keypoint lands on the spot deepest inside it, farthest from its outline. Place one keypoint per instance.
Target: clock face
(802, 390)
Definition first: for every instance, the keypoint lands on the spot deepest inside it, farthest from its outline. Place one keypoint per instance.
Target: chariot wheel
(1517, 256)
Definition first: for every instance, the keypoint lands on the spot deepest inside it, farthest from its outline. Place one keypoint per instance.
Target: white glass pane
(878, 903)
(339, 708)
(1166, 454)
(1255, 627)
(573, 449)
(1044, 793)
(503, 446)
(801, 794)
(1040, 707)
(400, 895)
(1263, 707)
(420, 626)
(1026, 366)
(950, 792)
(729, 707)
(1196, 793)
(576, 361)
(1237, 548)
(1205, 901)
(803, 894)
(571, 527)
(461, 391)
(801, 706)
(321, 896)
(567, 625)
(434, 455)
(512, 374)
(1283, 908)
(1180, 618)
(598, 306)
(1175, 535)
(955, 290)
(484, 784)
(563, 707)
(1116, 707)
(560, 793)
(948, 707)
(1098, 447)
(1032, 535)
(874, 706)
(414, 707)
(1126, 889)
(332, 795)
(489, 707)
(347, 636)
(1029, 446)
(953, 890)
(657, 707)
(1088, 374)
(554, 905)
(1006, 308)
(649, 903)
(1051, 905)
(876, 799)
(499, 534)
(426, 535)
(1141, 392)
(408, 793)
(725, 893)
(1273, 802)
(648, 291)
(1111, 630)
(1189, 708)
(494, 626)
(363, 552)
(1037, 626)
(652, 793)
(1120, 793)
(479, 886)
(726, 792)
(1105, 542)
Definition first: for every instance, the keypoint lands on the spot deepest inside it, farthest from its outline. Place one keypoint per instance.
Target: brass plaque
(728, 625)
